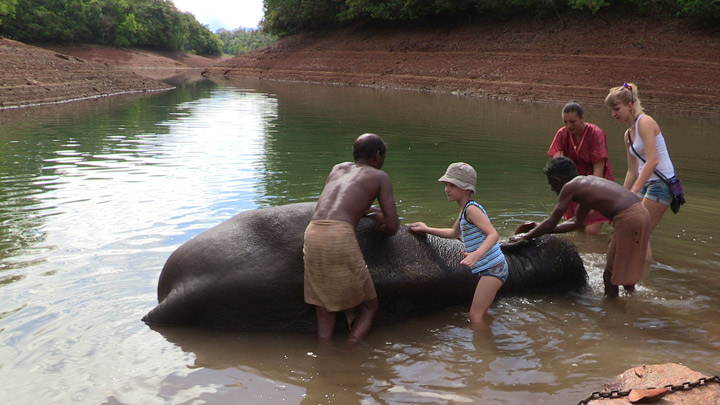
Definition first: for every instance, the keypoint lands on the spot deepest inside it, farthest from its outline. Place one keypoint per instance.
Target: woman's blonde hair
(627, 93)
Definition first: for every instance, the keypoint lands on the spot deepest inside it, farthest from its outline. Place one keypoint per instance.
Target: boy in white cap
(482, 252)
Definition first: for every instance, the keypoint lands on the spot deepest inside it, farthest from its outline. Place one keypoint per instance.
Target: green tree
(592, 5)
(283, 17)
(125, 34)
(163, 25)
(76, 27)
(92, 18)
(45, 23)
(7, 9)
(703, 9)
(151, 23)
(200, 39)
(242, 40)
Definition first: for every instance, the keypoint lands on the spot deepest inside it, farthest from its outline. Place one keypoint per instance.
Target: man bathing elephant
(222, 279)
(247, 273)
(631, 221)
(336, 276)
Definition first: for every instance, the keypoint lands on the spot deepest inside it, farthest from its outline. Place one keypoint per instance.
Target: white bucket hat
(460, 174)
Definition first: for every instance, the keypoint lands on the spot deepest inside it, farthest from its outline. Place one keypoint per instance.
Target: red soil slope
(676, 66)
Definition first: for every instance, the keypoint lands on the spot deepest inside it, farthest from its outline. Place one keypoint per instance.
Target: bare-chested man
(631, 220)
(336, 276)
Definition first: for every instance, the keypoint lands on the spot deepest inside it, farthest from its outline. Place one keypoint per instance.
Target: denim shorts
(656, 190)
(500, 271)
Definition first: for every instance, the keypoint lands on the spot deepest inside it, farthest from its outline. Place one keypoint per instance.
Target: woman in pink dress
(586, 145)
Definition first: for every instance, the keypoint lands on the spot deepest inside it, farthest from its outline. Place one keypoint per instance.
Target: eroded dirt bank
(30, 75)
(676, 66)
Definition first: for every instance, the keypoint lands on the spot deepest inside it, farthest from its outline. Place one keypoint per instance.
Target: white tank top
(664, 165)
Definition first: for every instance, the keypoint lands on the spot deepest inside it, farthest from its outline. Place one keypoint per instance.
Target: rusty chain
(686, 386)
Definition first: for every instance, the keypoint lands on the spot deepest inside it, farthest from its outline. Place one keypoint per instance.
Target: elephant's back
(255, 245)
(247, 273)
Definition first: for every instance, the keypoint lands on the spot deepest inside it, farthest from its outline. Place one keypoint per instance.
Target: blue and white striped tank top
(474, 237)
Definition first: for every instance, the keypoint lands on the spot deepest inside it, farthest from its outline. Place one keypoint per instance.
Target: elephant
(247, 273)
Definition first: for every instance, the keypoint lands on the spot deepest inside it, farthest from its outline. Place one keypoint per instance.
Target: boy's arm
(450, 233)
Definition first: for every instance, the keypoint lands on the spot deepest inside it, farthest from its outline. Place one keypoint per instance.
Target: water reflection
(87, 174)
(94, 196)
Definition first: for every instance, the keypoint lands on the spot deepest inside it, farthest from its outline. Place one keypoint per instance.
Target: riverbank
(674, 63)
(30, 75)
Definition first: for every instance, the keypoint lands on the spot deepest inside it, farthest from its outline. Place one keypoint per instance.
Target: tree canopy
(148, 23)
(159, 24)
(243, 40)
(283, 17)
(7, 8)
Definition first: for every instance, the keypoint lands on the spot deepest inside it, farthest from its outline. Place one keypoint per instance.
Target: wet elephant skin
(247, 273)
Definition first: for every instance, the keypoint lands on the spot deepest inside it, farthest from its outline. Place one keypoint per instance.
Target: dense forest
(283, 17)
(146, 23)
(159, 24)
(241, 40)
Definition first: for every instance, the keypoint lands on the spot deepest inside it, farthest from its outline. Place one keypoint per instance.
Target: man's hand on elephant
(516, 238)
(526, 227)
(377, 216)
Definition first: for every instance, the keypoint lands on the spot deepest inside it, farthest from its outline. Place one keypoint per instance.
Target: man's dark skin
(349, 192)
(590, 193)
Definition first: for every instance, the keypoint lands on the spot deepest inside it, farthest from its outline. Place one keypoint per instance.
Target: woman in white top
(646, 153)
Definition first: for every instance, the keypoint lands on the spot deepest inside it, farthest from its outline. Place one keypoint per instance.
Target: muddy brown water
(95, 195)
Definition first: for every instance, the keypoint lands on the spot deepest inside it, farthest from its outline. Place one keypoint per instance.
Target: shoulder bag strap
(657, 173)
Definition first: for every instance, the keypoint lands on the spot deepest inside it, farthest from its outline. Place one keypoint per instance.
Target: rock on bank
(683, 385)
(675, 64)
(30, 75)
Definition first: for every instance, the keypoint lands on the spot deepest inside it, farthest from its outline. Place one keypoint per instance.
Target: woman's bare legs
(656, 210)
(594, 229)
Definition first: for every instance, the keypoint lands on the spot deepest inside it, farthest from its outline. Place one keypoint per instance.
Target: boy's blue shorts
(500, 271)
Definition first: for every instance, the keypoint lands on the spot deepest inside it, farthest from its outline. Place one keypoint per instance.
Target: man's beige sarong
(336, 276)
(628, 245)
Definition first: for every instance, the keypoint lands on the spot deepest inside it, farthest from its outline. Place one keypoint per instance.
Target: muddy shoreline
(674, 63)
(35, 76)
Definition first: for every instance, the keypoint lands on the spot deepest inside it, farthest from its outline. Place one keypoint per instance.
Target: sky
(228, 14)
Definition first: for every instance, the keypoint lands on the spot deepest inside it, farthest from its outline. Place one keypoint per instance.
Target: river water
(94, 196)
